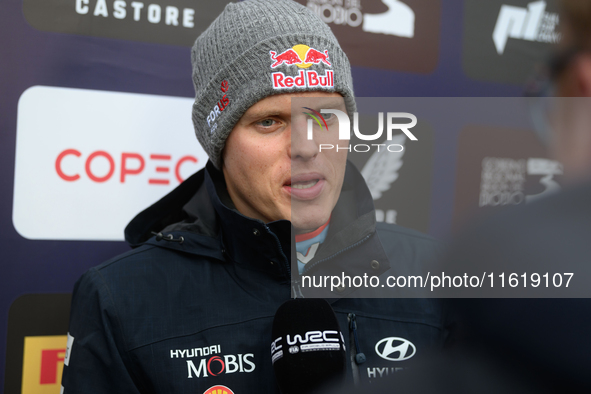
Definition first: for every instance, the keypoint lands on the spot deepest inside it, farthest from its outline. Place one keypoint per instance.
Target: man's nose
(302, 148)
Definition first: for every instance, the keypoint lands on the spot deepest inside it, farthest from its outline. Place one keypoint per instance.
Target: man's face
(274, 172)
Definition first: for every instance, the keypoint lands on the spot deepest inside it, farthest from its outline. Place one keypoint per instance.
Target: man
(190, 309)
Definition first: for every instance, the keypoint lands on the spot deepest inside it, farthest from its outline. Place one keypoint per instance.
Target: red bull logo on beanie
(305, 79)
(302, 56)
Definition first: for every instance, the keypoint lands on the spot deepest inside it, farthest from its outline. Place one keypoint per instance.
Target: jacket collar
(201, 212)
(245, 240)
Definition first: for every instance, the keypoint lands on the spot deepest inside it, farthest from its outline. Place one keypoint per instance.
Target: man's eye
(327, 116)
(267, 122)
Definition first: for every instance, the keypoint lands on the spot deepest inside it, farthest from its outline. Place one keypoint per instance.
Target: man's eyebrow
(261, 114)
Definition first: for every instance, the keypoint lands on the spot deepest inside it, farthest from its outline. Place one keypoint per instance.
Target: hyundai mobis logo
(97, 157)
(504, 39)
(203, 362)
(384, 33)
(174, 22)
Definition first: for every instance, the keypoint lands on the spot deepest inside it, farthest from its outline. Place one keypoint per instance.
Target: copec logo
(97, 157)
(345, 130)
(302, 56)
(101, 166)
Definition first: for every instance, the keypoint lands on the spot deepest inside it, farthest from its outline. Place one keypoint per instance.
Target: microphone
(308, 349)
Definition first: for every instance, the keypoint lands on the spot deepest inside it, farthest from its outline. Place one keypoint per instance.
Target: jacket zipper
(285, 259)
(357, 357)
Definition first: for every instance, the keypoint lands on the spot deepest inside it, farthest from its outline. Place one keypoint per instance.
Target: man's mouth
(304, 185)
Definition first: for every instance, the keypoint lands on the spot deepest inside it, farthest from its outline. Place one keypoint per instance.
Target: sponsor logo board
(384, 33)
(505, 39)
(174, 22)
(499, 167)
(531, 24)
(85, 156)
(43, 363)
(37, 344)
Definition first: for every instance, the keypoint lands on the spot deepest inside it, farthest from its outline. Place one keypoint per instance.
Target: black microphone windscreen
(308, 348)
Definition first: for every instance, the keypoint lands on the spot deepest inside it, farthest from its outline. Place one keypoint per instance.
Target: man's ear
(582, 70)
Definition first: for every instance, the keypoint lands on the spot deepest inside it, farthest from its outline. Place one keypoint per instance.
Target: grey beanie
(255, 49)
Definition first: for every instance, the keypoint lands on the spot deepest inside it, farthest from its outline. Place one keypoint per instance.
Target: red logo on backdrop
(50, 360)
(218, 390)
(128, 163)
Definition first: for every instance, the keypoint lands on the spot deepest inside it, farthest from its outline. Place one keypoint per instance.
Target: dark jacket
(192, 306)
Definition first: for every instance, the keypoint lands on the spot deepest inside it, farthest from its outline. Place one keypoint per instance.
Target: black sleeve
(96, 359)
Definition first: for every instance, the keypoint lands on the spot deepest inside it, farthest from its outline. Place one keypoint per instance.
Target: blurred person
(536, 345)
(190, 308)
(529, 345)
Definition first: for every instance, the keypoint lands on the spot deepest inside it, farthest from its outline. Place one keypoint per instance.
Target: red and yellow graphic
(301, 55)
(43, 363)
(218, 390)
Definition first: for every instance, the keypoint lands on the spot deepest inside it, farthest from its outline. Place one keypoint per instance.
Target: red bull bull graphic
(288, 57)
(301, 55)
(314, 56)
